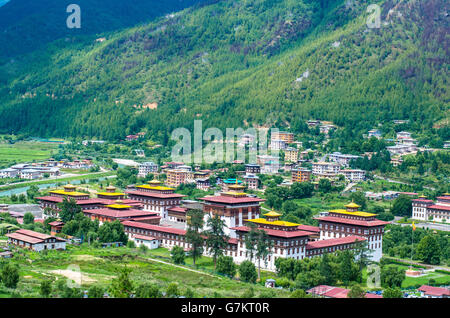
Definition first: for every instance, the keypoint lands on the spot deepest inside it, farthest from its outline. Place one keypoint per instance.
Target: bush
(247, 272)
(10, 276)
(299, 293)
(283, 282)
(148, 291)
(131, 244)
(249, 293)
(95, 292)
(267, 294)
(172, 290)
(177, 254)
(226, 266)
(46, 288)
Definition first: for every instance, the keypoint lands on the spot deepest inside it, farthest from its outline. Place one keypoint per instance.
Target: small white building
(148, 241)
(9, 173)
(147, 168)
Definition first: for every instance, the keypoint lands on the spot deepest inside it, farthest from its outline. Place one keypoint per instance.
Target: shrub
(226, 266)
(247, 272)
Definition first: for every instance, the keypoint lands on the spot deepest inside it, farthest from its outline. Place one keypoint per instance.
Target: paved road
(68, 175)
(400, 182)
(426, 225)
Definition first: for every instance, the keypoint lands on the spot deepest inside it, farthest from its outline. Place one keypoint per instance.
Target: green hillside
(237, 63)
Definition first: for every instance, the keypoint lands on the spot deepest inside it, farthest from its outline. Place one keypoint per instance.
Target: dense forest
(231, 64)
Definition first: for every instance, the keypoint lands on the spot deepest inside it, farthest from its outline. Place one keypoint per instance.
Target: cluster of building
(51, 167)
(155, 216)
(29, 171)
(428, 210)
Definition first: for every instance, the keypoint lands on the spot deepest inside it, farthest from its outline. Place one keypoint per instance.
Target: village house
(291, 154)
(35, 241)
(426, 210)
(147, 168)
(301, 175)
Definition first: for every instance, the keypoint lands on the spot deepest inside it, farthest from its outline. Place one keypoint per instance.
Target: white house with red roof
(428, 210)
(434, 292)
(326, 291)
(36, 241)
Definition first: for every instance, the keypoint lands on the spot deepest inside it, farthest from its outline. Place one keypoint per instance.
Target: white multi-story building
(427, 210)
(277, 144)
(353, 175)
(342, 159)
(325, 169)
(147, 168)
(9, 173)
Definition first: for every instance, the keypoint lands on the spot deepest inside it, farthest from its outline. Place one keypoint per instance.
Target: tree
(391, 276)
(359, 198)
(306, 280)
(247, 272)
(68, 209)
(46, 288)
(363, 253)
(348, 270)
(28, 218)
(95, 292)
(177, 254)
(263, 249)
(299, 293)
(10, 276)
(402, 206)
(110, 232)
(326, 270)
(32, 192)
(226, 266)
(428, 250)
(324, 185)
(122, 286)
(392, 293)
(148, 291)
(193, 233)
(356, 292)
(251, 240)
(216, 240)
(172, 290)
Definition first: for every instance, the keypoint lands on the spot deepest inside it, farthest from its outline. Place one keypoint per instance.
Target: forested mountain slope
(237, 63)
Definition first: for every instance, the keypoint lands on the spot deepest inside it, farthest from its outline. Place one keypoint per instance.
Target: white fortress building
(427, 210)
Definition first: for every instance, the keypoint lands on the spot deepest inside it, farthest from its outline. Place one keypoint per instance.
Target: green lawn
(26, 151)
(440, 278)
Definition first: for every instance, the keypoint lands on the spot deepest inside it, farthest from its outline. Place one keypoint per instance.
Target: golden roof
(272, 214)
(110, 193)
(154, 181)
(69, 186)
(118, 206)
(236, 186)
(159, 188)
(357, 213)
(279, 223)
(352, 205)
(110, 187)
(68, 193)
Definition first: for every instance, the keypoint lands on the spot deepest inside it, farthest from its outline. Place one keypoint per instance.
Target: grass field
(25, 151)
(100, 266)
(409, 282)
